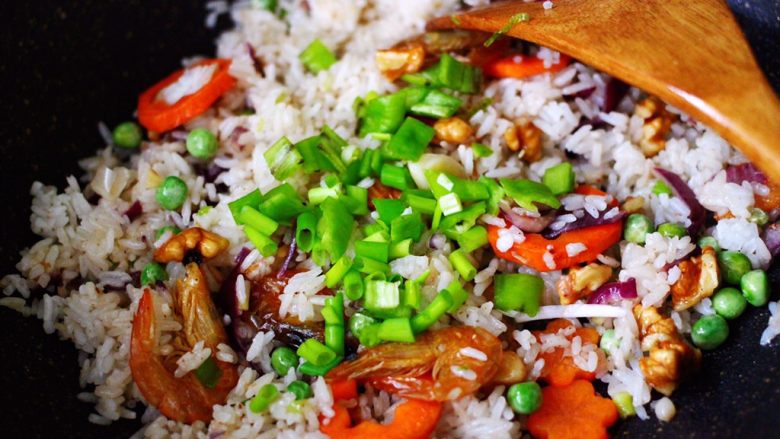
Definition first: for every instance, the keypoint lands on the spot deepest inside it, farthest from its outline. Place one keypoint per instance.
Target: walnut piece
(670, 360)
(406, 57)
(525, 137)
(208, 244)
(699, 277)
(582, 282)
(453, 130)
(633, 205)
(511, 369)
(658, 122)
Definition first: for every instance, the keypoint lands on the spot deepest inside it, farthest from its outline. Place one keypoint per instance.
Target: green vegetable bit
(733, 265)
(282, 359)
(410, 141)
(609, 341)
(709, 332)
(729, 303)
(709, 241)
(755, 287)
(264, 398)
(202, 143)
(661, 188)
(127, 135)
(527, 193)
(625, 404)
(671, 230)
(559, 178)
(173, 229)
(758, 216)
(153, 273)
(208, 373)
(525, 398)
(171, 193)
(518, 292)
(317, 57)
(301, 390)
(637, 228)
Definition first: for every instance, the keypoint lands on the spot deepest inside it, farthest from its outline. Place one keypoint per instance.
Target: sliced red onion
(242, 254)
(772, 238)
(614, 92)
(745, 172)
(614, 292)
(682, 190)
(607, 216)
(286, 264)
(529, 224)
(134, 211)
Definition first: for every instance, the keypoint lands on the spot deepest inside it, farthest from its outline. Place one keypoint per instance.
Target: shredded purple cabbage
(134, 211)
(614, 292)
(745, 172)
(682, 190)
(614, 92)
(286, 264)
(584, 222)
(772, 238)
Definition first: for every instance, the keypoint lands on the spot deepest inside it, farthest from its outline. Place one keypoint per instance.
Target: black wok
(66, 66)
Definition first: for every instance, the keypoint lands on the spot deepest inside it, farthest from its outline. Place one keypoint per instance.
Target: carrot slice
(343, 389)
(532, 250)
(572, 412)
(157, 115)
(517, 66)
(559, 370)
(414, 419)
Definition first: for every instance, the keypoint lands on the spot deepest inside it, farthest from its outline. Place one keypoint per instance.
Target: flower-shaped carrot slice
(559, 370)
(572, 412)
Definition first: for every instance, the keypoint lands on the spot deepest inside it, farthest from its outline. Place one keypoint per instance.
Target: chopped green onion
(394, 176)
(337, 272)
(153, 273)
(450, 204)
(301, 390)
(334, 228)
(436, 221)
(458, 223)
(311, 369)
(371, 266)
(661, 187)
(455, 75)
(381, 295)
(360, 321)
(208, 373)
(353, 285)
(369, 336)
(412, 294)
(460, 260)
(379, 235)
(526, 193)
(438, 105)
(383, 115)
(473, 239)
(496, 195)
(559, 178)
(410, 141)
(356, 200)
(334, 338)
(308, 149)
(265, 245)
(397, 329)
(333, 136)
(470, 190)
(282, 159)
(481, 150)
(318, 194)
(513, 20)
(459, 296)
(252, 218)
(315, 352)
(378, 251)
(388, 209)
(518, 292)
(335, 307)
(306, 231)
(281, 203)
(401, 248)
(264, 398)
(420, 204)
(316, 57)
(432, 313)
(406, 227)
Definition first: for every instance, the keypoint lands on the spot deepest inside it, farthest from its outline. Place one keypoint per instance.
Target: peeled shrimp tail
(396, 359)
(193, 302)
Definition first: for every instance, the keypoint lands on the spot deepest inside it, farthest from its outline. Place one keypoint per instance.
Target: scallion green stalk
(460, 260)
(306, 231)
(265, 245)
(432, 313)
(316, 353)
(252, 218)
(397, 329)
(353, 285)
(337, 272)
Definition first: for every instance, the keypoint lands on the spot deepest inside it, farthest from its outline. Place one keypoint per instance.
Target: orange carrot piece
(559, 370)
(414, 419)
(572, 412)
(343, 389)
(156, 115)
(517, 66)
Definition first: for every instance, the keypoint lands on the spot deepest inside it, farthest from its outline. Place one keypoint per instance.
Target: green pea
(202, 143)
(173, 229)
(301, 389)
(625, 404)
(525, 398)
(127, 135)
(758, 216)
(733, 265)
(282, 359)
(755, 287)
(609, 341)
(729, 303)
(153, 273)
(709, 332)
(671, 230)
(661, 188)
(171, 193)
(637, 227)
(709, 241)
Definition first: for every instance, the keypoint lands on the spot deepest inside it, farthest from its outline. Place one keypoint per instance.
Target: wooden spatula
(691, 54)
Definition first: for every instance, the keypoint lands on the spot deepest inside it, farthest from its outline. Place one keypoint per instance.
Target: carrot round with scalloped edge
(156, 114)
(413, 419)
